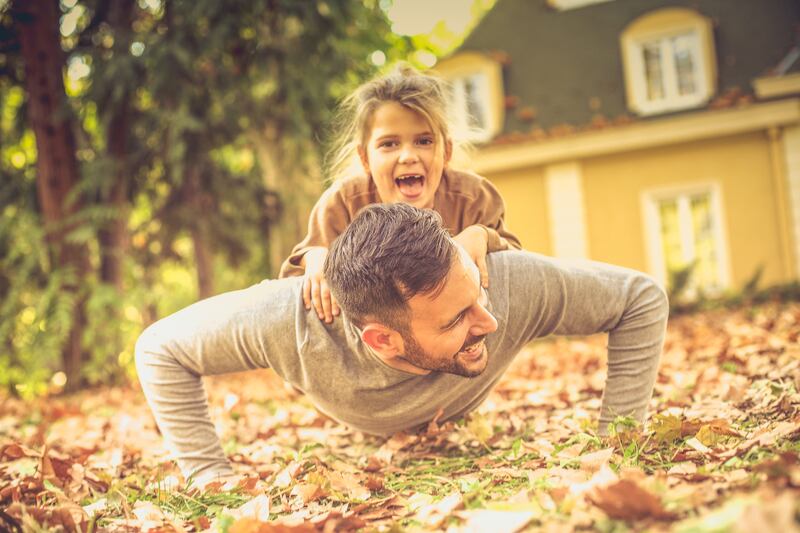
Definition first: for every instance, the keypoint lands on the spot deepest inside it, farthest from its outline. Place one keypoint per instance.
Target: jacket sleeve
(329, 218)
(549, 296)
(230, 332)
(489, 211)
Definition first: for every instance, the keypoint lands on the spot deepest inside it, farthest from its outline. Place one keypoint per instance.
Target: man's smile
(473, 351)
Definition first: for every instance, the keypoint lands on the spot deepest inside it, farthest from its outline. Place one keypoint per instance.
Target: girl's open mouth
(410, 185)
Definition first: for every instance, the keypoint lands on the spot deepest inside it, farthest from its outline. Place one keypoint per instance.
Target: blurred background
(153, 152)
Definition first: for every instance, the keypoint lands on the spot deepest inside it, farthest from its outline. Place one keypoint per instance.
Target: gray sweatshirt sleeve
(231, 332)
(551, 296)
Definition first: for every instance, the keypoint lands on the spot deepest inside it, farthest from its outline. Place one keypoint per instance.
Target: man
(418, 333)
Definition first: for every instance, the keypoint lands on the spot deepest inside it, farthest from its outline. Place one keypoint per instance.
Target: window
(477, 99)
(564, 5)
(470, 97)
(685, 235)
(669, 61)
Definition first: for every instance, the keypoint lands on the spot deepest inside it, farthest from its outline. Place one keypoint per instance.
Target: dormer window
(476, 97)
(469, 100)
(669, 61)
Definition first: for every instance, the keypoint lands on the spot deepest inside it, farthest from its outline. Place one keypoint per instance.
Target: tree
(195, 148)
(57, 166)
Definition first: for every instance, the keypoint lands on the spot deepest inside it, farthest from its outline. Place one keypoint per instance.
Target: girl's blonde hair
(424, 93)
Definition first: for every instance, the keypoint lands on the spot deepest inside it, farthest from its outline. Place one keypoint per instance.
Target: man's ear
(362, 156)
(383, 340)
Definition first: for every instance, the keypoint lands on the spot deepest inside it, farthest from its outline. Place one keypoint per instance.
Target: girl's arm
(489, 211)
(328, 219)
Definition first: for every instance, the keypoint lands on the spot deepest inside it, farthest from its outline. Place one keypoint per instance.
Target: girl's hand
(475, 241)
(315, 288)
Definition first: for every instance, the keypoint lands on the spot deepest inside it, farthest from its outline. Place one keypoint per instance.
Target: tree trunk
(56, 164)
(113, 236)
(200, 203)
(293, 173)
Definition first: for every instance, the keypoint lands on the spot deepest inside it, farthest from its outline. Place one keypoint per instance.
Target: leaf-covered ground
(720, 452)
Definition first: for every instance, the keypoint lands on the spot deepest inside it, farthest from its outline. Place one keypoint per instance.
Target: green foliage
(34, 316)
(750, 294)
(197, 124)
(174, 102)
(679, 284)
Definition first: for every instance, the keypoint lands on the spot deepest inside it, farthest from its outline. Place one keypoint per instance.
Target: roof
(563, 69)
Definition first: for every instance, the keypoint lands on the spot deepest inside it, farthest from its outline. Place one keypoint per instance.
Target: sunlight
(414, 17)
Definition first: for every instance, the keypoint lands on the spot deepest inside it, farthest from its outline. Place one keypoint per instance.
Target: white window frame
(565, 5)
(460, 108)
(661, 27)
(492, 98)
(654, 245)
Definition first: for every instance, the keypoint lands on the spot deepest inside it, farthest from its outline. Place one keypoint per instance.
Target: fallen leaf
(695, 444)
(708, 437)
(15, 451)
(686, 467)
(432, 516)
(286, 476)
(776, 515)
(480, 427)
(666, 428)
(251, 525)
(257, 509)
(348, 484)
(625, 500)
(592, 462)
(306, 492)
(481, 520)
(580, 485)
(433, 425)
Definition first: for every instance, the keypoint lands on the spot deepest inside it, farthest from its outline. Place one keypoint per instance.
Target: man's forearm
(562, 297)
(230, 332)
(178, 401)
(634, 350)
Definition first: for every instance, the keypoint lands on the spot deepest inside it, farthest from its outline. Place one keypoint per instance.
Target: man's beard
(415, 355)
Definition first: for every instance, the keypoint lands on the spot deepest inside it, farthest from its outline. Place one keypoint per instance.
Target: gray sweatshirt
(267, 326)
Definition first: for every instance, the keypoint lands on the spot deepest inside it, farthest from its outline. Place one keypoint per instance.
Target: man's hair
(387, 255)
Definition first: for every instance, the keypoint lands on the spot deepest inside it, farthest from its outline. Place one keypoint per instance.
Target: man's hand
(475, 240)
(315, 288)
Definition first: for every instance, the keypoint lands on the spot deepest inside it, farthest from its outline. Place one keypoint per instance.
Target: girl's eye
(386, 144)
(425, 141)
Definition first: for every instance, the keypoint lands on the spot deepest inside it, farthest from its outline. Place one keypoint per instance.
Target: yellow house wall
(526, 207)
(739, 164)
(613, 187)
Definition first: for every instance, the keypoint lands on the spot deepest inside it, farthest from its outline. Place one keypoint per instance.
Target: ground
(719, 453)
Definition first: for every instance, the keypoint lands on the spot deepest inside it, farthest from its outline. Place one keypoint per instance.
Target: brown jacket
(462, 199)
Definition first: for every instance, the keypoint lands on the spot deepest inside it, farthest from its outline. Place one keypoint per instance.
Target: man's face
(447, 330)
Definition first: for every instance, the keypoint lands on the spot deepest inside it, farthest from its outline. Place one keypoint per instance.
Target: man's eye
(456, 322)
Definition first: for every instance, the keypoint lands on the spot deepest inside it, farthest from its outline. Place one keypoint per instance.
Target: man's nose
(484, 323)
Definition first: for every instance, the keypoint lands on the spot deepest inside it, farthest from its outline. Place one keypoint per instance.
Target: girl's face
(404, 156)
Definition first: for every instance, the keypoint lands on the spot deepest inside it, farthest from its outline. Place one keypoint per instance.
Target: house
(654, 134)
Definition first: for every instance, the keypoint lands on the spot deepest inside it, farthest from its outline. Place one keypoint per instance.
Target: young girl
(396, 127)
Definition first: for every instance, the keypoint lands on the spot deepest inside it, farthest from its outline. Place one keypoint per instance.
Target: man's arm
(227, 333)
(550, 296)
